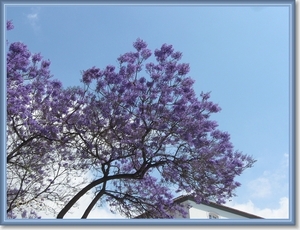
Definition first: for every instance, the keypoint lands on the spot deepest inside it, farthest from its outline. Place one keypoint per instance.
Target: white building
(208, 211)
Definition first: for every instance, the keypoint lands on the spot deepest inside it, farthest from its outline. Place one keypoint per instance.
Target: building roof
(184, 198)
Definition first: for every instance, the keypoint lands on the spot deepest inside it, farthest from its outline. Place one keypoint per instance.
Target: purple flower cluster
(139, 44)
(40, 122)
(128, 124)
(136, 125)
(9, 25)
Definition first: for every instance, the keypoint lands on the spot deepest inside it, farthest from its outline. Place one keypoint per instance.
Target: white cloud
(271, 183)
(261, 187)
(77, 212)
(80, 206)
(285, 162)
(269, 188)
(281, 212)
(33, 19)
(96, 213)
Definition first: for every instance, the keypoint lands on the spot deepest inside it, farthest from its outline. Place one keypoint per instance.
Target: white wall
(201, 211)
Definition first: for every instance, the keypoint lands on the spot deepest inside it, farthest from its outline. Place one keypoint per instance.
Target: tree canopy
(40, 160)
(138, 127)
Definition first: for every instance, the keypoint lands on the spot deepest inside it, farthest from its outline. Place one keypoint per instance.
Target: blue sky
(239, 53)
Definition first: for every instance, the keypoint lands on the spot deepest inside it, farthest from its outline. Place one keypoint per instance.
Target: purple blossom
(11, 215)
(36, 57)
(123, 125)
(100, 84)
(155, 76)
(177, 56)
(17, 47)
(163, 53)
(142, 80)
(90, 74)
(45, 64)
(128, 57)
(205, 96)
(24, 214)
(9, 25)
(170, 68)
(146, 53)
(130, 69)
(149, 67)
(56, 84)
(149, 84)
(139, 44)
(183, 69)
(37, 107)
(188, 82)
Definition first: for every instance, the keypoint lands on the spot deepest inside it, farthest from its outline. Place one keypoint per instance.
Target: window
(213, 216)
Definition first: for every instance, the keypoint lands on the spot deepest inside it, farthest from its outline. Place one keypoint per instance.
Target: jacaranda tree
(147, 137)
(40, 159)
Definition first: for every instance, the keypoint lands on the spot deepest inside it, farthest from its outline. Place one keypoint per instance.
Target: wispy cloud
(261, 187)
(271, 182)
(33, 18)
(268, 189)
(280, 212)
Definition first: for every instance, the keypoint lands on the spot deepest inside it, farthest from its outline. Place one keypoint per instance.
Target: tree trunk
(69, 205)
(90, 207)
